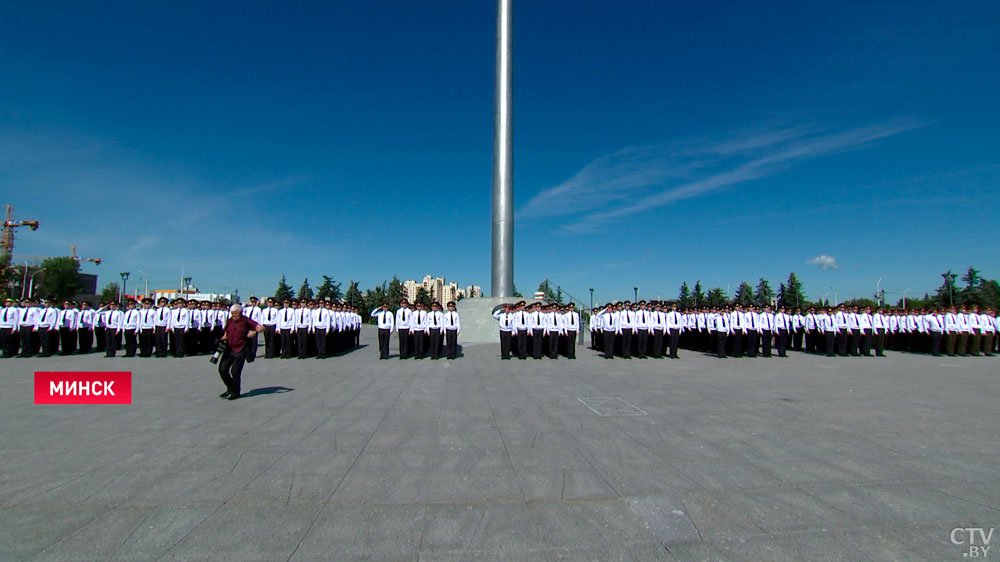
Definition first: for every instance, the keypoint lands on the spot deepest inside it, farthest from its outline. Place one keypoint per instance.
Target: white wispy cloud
(824, 262)
(637, 179)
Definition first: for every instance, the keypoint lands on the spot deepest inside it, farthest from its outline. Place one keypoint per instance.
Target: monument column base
(478, 324)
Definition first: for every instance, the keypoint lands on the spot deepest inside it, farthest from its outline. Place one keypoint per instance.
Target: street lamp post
(878, 293)
(145, 280)
(124, 275)
(591, 298)
(904, 297)
(187, 285)
(31, 283)
(949, 279)
(635, 294)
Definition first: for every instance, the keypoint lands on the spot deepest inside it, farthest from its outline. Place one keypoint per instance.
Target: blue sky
(654, 142)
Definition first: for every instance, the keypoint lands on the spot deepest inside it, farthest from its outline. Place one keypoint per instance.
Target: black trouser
(130, 343)
(571, 345)
(160, 337)
(720, 344)
(320, 343)
(553, 344)
(797, 339)
(85, 339)
(641, 342)
(27, 341)
(231, 369)
(205, 340)
(451, 343)
(782, 342)
(419, 344)
(7, 342)
(146, 336)
(67, 340)
(855, 344)
(192, 341)
(765, 343)
(404, 343)
(302, 339)
(177, 336)
(99, 338)
(434, 343)
(736, 347)
(46, 341)
(842, 337)
(270, 344)
(830, 339)
(286, 343)
(675, 337)
(866, 342)
(505, 344)
(657, 343)
(522, 343)
(880, 342)
(111, 341)
(383, 342)
(537, 335)
(974, 342)
(608, 341)
(626, 342)
(753, 343)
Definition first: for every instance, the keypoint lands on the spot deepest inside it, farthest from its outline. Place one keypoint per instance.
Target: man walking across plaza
(237, 331)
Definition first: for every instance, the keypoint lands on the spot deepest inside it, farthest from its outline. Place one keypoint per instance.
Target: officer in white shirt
(552, 330)
(865, 326)
(9, 315)
(673, 326)
(658, 328)
(113, 329)
(27, 328)
(48, 329)
(69, 323)
(505, 319)
(721, 328)
(827, 322)
(386, 322)
(452, 328)
(269, 320)
(610, 318)
(536, 329)
(988, 326)
(303, 327)
(880, 324)
(643, 317)
(975, 331)
(321, 323)
(737, 331)
(180, 323)
(626, 328)
(161, 326)
(519, 329)
(433, 330)
(595, 329)
(130, 328)
(765, 324)
(402, 324)
(286, 325)
(418, 327)
(147, 328)
(570, 323)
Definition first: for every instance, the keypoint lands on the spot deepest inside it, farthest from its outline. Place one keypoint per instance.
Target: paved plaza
(352, 458)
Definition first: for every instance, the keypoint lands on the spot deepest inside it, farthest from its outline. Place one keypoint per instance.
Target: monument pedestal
(478, 324)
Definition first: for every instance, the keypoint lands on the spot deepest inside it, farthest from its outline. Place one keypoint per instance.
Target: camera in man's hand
(220, 348)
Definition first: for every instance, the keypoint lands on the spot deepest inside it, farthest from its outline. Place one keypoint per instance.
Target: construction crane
(7, 238)
(73, 255)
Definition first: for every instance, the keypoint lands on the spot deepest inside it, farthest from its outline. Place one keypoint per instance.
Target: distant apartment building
(439, 290)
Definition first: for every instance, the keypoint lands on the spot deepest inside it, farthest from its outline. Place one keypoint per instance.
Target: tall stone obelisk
(503, 181)
(478, 325)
